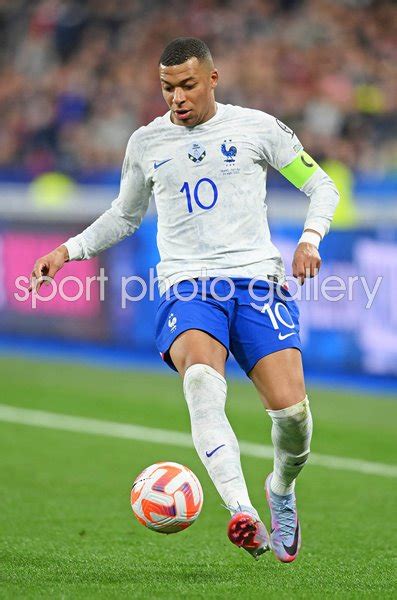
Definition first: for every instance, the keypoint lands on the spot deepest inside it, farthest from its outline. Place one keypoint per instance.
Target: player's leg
(279, 380)
(264, 338)
(200, 360)
(197, 347)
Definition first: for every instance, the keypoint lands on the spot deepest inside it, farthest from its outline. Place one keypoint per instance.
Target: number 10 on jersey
(205, 194)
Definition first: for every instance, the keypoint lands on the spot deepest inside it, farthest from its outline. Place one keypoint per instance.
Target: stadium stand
(77, 77)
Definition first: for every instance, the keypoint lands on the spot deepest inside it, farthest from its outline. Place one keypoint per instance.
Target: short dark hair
(181, 49)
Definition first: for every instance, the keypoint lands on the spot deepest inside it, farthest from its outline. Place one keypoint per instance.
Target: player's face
(188, 89)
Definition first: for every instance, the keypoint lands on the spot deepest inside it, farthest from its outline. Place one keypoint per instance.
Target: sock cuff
(291, 411)
(198, 370)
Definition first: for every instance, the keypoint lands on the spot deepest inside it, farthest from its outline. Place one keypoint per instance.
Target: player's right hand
(47, 267)
(306, 262)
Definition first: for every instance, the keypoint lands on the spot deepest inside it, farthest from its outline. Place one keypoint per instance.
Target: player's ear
(214, 78)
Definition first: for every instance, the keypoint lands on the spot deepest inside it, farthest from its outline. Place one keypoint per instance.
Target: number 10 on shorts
(279, 314)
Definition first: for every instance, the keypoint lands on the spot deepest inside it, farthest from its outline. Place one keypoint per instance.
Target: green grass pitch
(67, 530)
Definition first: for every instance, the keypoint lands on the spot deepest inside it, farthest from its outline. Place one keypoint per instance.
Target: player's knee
(191, 361)
(292, 429)
(198, 373)
(194, 374)
(285, 397)
(200, 379)
(280, 401)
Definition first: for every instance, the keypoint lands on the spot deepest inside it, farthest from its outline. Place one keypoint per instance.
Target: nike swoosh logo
(162, 162)
(291, 550)
(306, 163)
(282, 337)
(213, 451)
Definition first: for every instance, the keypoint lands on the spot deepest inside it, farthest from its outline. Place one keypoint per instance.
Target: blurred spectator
(76, 78)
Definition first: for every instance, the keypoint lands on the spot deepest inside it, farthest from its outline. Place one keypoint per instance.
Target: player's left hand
(306, 262)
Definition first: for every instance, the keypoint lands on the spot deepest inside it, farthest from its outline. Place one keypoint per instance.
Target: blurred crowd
(77, 77)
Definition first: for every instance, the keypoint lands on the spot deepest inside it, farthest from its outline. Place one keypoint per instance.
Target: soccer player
(205, 163)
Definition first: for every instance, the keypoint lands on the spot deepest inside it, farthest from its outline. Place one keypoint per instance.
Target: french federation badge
(229, 151)
(196, 152)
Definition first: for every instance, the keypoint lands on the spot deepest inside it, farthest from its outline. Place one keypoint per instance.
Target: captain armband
(300, 170)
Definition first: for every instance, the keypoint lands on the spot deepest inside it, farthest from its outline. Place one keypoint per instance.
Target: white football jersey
(209, 186)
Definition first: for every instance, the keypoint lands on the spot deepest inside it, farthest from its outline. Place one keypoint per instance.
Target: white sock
(205, 393)
(291, 435)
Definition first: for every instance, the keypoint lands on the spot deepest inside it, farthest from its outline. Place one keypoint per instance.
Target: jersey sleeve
(282, 150)
(278, 144)
(125, 214)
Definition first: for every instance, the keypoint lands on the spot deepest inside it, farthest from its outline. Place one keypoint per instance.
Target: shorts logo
(172, 322)
(196, 152)
(229, 151)
(282, 337)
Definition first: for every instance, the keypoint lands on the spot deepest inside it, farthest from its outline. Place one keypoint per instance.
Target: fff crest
(196, 152)
(229, 151)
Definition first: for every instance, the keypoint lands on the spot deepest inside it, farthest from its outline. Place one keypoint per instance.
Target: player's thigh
(266, 343)
(197, 347)
(192, 327)
(279, 379)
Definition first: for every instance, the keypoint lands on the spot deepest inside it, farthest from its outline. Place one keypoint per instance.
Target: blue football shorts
(250, 319)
